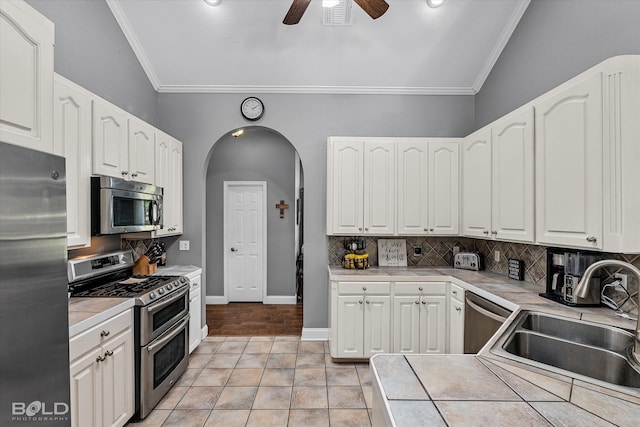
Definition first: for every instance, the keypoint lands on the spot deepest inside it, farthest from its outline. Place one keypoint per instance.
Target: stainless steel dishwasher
(482, 318)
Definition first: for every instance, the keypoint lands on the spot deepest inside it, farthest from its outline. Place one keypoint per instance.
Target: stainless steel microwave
(119, 206)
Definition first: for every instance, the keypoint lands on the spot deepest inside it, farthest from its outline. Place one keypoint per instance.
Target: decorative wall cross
(282, 206)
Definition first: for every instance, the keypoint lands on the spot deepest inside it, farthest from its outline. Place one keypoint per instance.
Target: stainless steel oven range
(161, 319)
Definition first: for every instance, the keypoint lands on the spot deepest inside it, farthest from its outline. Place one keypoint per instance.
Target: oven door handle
(163, 304)
(170, 334)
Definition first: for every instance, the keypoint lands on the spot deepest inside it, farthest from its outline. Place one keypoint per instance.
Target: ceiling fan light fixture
(435, 3)
(213, 2)
(330, 3)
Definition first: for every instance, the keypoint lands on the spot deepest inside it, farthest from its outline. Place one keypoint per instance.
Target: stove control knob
(152, 295)
(161, 291)
(169, 286)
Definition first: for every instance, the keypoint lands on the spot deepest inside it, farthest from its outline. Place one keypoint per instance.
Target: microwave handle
(154, 216)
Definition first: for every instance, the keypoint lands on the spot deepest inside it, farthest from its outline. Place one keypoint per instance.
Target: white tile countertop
(85, 313)
(179, 270)
(487, 389)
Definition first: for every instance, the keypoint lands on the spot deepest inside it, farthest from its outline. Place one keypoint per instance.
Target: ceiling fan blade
(296, 11)
(374, 8)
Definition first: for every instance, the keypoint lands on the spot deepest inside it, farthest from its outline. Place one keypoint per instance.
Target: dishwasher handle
(486, 312)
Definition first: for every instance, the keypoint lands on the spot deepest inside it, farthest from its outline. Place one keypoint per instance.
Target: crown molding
(502, 41)
(328, 90)
(131, 37)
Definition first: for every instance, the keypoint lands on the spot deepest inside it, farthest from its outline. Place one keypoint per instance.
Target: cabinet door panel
(86, 390)
(512, 167)
(569, 166)
(72, 140)
(347, 160)
(456, 327)
(117, 375)
(433, 324)
(406, 325)
(379, 187)
(476, 184)
(350, 326)
(26, 77)
(377, 325)
(443, 188)
(412, 187)
(141, 151)
(110, 146)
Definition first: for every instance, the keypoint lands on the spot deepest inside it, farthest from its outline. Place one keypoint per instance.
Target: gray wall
(258, 155)
(554, 41)
(199, 120)
(92, 51)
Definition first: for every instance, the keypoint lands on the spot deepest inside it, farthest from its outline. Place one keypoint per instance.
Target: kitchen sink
(576, 348)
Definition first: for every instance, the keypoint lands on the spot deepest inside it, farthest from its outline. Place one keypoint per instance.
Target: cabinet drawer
(369, 288)
(457, 293)
(420, 288)
(99, 334)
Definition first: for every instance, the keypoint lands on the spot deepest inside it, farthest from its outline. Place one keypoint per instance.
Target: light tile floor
(266, 382)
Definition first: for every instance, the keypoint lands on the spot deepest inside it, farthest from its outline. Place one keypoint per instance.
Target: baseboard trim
(214, 299)
(315, 334)
(280, 299)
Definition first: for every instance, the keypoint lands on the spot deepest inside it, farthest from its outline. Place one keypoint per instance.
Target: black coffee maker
(565, 268)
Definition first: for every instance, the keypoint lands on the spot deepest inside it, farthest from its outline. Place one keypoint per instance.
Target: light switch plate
(496, 256)
(184, 245)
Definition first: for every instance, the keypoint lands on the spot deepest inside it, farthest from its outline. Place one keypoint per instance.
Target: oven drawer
(97, 335)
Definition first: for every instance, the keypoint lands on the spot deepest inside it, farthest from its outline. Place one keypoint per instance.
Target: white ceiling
(242, 46)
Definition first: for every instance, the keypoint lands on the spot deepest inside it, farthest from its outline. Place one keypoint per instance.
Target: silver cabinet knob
(458, 309)
(133, 175)
(454, 292)
(368, 302)
(591, 239)
(364, 288)
(360, 301)
(426, 229)
(417, 302)
(366, 229)
(104, 333)
(100, 359)
(431, 229)
(234, 250)
(125, 173)
(494, 232)
(421, 288)
(108, 353)
(486, 231)
(424, 302)
(359, 228)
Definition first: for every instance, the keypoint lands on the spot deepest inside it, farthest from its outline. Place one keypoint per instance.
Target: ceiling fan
(374, 8)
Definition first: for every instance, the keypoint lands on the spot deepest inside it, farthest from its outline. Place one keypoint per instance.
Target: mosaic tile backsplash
(438, 252)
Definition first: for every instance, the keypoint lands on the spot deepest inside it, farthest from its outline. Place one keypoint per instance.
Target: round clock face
(252, 108)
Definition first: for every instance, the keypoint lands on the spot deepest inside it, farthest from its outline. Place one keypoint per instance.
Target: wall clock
(252, 108)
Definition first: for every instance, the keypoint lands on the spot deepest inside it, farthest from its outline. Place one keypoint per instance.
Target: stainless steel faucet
(582, 290)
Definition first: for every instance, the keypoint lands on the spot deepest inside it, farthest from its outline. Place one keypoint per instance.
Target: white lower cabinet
(361, 319)
(367, 318)
(195, 311)
(102, 373)
(456, 319)
(419, 318)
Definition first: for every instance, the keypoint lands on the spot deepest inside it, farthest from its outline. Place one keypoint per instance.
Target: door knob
(234, 250)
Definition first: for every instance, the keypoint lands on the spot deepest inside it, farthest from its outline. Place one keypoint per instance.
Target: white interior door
(245, 241)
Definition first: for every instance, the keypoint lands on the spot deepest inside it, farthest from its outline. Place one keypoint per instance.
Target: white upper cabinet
(512, 195)
(498, 179)
(168, 175)
(26, 77)
(123, 145)
(110, 140)
(141, 151)
(379, 187)
(444, 171)
(412, 167)
(360, 186)
(72, 140)
(476, 184)
(569, 164)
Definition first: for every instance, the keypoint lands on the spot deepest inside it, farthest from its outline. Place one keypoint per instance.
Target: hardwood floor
(254, 319)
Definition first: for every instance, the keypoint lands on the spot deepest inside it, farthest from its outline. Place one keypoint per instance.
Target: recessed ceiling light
(433, 3)
(213, 2)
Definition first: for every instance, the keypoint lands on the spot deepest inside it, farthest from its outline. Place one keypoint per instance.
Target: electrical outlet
(184, 245)
(622, 278)
(496, 256)
(456, 249)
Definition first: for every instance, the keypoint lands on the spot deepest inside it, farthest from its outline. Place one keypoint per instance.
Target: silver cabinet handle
(133, 175)
(591, 239)
(108, 353)
(125, 173)
(494, 232)
(424, 302)
(458, 309)
(100, 359)
(486, 231)
(454, 292)
(360, 301)
(368, 302)
(234, 250)
(420, 288)
(417, 302)
(364, 288)
(104, 333)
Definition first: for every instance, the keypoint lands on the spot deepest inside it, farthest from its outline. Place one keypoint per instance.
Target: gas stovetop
(110, 275)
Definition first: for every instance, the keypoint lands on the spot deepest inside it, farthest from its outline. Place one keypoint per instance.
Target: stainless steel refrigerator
(34, 324)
